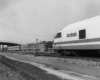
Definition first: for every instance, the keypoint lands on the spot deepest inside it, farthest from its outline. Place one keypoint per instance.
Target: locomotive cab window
(58, 35)
(82, 34)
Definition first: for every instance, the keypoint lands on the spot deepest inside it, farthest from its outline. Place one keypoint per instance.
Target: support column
(2, 47)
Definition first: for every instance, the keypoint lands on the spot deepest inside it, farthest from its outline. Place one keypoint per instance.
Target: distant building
(42, 47)
(33, 47)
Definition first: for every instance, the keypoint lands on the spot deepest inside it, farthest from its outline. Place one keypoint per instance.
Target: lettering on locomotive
(72, 34)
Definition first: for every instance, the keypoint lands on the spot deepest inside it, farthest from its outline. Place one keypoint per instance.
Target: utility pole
(36, 46)
(36, 40)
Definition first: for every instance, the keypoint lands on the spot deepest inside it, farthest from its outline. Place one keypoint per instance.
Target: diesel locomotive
(82, 37)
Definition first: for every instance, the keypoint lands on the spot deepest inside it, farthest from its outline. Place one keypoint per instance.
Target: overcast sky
(25, 20)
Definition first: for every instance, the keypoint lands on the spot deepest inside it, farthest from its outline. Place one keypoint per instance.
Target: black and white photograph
(49, 39)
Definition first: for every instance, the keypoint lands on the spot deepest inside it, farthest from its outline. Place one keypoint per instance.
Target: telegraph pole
(36, 46)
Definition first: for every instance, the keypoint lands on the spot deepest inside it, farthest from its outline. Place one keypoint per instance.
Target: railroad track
(58, 55)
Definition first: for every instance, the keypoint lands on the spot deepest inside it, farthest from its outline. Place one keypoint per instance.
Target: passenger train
(27, 47)
(79, 36)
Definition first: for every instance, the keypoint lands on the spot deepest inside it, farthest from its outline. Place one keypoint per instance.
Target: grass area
(7, 73)
(25, 70)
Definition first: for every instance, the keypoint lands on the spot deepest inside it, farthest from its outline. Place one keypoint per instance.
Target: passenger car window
(82, 34)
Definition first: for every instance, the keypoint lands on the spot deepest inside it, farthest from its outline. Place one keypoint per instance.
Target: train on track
(82, 38)
(27, 47)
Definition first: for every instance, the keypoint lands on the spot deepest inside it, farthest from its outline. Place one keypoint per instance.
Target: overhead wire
(25, 32)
